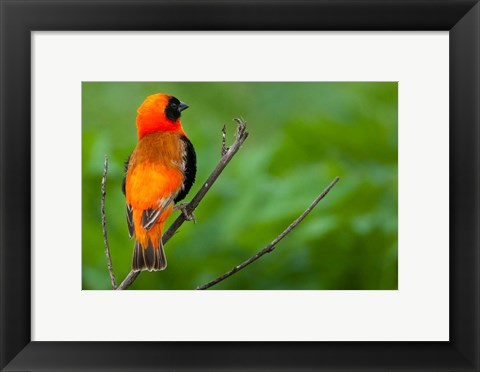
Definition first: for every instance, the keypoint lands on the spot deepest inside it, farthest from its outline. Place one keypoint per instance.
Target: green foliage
(302, 135)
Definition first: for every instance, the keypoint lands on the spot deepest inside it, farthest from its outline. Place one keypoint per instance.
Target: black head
(174, 109)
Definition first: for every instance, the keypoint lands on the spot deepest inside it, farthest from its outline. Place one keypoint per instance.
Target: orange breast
(155, 170)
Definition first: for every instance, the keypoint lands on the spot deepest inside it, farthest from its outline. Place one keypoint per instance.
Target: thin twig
(104, 225)
(269, 248)
(224, 137)
(240, 137)
(129, 279)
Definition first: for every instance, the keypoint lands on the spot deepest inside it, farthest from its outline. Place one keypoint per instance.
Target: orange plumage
(159, 173)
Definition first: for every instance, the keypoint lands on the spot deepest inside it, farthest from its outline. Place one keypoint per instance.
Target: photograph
(253, 185)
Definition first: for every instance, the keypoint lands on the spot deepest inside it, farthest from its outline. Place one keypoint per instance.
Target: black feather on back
(124, 181)
(190, 169)
(131, 227)
(149, 217)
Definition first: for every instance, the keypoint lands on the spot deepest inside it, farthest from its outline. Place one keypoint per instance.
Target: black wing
(150, 216)
(125, 165)
(190, 160)
(131, 228)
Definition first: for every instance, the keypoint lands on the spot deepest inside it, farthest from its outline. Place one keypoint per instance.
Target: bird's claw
(183, 207)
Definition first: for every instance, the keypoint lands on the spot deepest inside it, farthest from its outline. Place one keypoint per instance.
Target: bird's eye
(174, 106)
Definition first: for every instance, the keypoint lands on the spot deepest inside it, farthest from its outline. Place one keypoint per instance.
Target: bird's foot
(183, 207)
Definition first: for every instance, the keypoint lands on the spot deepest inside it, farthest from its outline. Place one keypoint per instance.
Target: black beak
(182, 106)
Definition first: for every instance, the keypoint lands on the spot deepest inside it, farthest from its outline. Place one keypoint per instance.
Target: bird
(158, 174)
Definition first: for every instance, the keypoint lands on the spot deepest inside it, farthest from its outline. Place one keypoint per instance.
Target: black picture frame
(19, 18)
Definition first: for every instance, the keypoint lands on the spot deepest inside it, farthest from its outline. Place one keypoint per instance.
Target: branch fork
(187, 209)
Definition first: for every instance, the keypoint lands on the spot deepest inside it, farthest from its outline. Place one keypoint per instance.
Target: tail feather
(149, 258)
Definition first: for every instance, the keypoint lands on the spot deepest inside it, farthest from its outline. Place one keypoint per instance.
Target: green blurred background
(302, 135)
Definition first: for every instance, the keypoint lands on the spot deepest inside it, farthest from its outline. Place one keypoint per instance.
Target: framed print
(394, 284)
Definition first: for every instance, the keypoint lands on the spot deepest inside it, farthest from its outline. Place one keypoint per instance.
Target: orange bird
(159, 173)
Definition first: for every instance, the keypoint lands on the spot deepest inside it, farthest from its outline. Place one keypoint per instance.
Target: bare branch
(270, 247)
(227, 155)
(240, 137)
(104, 225)
(224, 146)
(129, 279)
